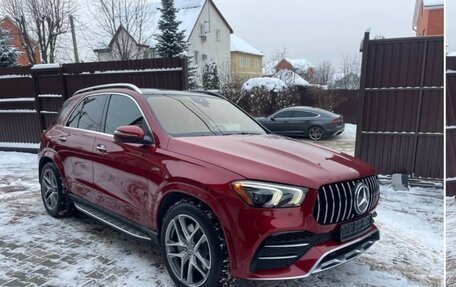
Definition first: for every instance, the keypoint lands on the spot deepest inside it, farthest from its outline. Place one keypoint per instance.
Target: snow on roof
(269, 84)
(290, 78)
(451, 54)
(188, 13)
(429, 3)
(302, 65)
(239, 45)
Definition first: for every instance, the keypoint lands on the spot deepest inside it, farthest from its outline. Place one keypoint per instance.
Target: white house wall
(218, 51)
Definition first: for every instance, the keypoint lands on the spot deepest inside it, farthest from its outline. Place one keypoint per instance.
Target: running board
(113, 222)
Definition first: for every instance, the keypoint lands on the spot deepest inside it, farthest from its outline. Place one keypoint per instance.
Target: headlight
(261, 194)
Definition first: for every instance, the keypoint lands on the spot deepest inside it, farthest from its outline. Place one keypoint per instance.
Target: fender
(48, 153)
(208, 198)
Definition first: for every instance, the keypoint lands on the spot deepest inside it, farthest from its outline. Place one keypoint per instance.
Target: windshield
(201, 116)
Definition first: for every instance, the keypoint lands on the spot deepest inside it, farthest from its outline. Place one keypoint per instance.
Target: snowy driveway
(36, 249)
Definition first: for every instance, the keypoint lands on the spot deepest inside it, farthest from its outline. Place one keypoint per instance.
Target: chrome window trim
(104, 94)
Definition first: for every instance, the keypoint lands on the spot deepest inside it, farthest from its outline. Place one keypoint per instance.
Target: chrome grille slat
(335, 202)
(340, 203)
(326, 209)
(346, 203)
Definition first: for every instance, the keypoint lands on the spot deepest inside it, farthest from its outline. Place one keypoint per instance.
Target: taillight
(337, 121)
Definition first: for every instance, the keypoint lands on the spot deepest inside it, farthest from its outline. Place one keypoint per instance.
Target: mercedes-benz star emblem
(362, 198)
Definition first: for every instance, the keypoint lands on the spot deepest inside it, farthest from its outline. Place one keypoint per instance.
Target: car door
(301, 121)
(76, 142)
(127, 175)
(279, 122)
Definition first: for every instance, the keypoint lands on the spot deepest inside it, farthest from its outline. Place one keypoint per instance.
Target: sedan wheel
(316, 133)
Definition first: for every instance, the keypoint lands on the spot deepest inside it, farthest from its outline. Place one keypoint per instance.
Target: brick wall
(16, 41)
(430, 22)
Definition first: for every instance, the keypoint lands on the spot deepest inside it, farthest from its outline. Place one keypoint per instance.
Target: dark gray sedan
(310, 122)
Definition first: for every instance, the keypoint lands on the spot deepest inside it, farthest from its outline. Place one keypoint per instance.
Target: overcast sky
(450, 10)
(317, 30)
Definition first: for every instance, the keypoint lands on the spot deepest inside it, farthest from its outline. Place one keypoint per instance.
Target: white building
(206, 31)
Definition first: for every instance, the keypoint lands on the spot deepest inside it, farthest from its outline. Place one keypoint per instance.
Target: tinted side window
(122, 111)
(87, 115)
(304, 114)
(286, 114)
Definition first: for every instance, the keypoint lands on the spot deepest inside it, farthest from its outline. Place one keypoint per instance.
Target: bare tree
(133, 18)
(349, 73)
(328, 99)
(324, 74)
(41, 22)
(271, 61)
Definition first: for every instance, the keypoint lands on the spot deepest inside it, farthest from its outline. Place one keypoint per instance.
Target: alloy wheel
(50, 189)
(188, 250)
(316, 133)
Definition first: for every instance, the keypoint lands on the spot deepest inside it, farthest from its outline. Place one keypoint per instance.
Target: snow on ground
(37, 249)
(451, 242)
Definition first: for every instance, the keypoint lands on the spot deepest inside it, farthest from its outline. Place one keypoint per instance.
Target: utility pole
(75, 44)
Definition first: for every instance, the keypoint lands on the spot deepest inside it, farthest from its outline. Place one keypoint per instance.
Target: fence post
(184, 65)
(362, 93)
(36, 91)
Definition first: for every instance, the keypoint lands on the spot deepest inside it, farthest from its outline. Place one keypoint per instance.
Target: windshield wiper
(241, 133)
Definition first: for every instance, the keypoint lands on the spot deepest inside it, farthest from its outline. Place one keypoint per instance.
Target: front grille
(335, 202)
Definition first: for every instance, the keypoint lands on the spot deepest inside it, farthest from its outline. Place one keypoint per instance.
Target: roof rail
(122, 85)
(211, 93)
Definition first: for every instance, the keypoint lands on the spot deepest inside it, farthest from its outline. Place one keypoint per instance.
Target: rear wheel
(193, 246)
(55, 201)
(316, 133)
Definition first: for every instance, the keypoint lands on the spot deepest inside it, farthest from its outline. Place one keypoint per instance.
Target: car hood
(273, 158)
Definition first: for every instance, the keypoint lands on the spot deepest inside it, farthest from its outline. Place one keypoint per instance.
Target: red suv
(220, 195)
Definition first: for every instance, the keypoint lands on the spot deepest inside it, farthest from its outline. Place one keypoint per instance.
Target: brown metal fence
(400, 126)
(30, 97)
(451, 126)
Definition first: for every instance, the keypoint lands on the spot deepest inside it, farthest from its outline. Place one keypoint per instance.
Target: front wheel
(316, 133)
(193, 246)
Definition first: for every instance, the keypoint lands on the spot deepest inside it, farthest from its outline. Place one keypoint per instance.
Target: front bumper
(320, 257)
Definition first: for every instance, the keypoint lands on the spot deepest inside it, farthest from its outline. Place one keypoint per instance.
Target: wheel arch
(50, 156)
(173, 196)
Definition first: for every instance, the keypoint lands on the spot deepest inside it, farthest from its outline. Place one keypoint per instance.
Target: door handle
(102, 148)
(62, 139)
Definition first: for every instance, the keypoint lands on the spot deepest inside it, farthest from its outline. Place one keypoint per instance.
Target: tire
(316, 133)
(203, 239)
(55, 201)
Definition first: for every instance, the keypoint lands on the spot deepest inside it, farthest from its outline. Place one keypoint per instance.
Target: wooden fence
(400, 126)
(30, 97)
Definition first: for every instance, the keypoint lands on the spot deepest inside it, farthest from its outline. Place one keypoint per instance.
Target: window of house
(196, 58)
(202, 29)
(217, 35)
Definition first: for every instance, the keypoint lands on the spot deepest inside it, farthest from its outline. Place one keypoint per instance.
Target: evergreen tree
(211, 79)
(192, 75)
(170, 40)
(8, 54)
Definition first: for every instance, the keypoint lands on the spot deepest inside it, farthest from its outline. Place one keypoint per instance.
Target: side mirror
(130, 134)
(272, 119)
